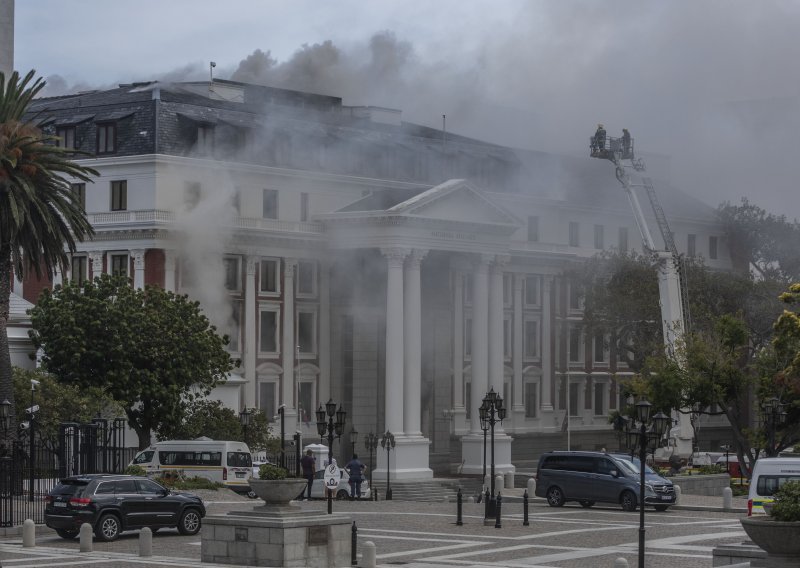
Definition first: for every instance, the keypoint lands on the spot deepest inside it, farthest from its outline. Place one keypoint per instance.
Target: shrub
(711, 469)
(787, 502)
(270, 471)
(182, 483)
(135, 470)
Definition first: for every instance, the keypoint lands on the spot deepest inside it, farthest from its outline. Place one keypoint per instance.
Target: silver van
(599, 477)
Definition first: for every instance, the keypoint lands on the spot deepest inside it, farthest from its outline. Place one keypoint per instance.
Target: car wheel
(69, 534)
(108, 528)
(555, 498)
(628, 501)
(190, 522)
(342, 495)
(586, 504)
(661, 507)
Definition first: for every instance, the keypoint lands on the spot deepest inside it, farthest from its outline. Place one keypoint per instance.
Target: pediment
(455, 200)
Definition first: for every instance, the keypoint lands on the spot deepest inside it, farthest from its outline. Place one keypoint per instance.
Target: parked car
(769, 474)
(342, 492)
(590, 477)
(112, 504)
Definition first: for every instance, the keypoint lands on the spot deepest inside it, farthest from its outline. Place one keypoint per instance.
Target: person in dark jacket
(308, 463)
(356, 470)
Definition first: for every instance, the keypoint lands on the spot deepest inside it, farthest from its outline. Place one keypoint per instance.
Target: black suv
(115, 503)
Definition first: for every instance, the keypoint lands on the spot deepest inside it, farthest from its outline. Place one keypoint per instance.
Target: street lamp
(773, 416)
(387, 442)
(281, 411)
(492, 412)
(5, 417)
(326, 425)
(483, 413)
(245, 416)
(353, 439)
(371, 444)
(657, 425)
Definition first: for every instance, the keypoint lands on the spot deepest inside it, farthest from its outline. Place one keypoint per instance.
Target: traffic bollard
(531, 486)
(727, 498)
(28, 534)
(368, 556)
(497, 507)
(677, 489)
(620, 563)
(525, 522)
(146, 542)
(459, 498)
(86, 537)
(354, 545)
(499, 483)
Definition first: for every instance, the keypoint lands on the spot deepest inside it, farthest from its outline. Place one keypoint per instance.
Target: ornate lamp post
(773, 416)
(371, 444)
(353, 438)
(492, 412)
(483, 413)
(5, 416)
(281, 410)
(387, 442)
(326, 425)
(658, 425)
(245, 416)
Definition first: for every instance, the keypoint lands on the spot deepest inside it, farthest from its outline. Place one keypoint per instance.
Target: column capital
(415, 257)
(251, 264)
(395, 255)
(289, 267)
(138, 258)
(96, 257)
(482, 262)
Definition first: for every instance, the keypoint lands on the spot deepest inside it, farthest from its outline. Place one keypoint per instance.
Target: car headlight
(648, 489)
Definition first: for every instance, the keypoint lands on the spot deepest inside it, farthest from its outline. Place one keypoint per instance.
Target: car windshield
(239, 459)
(144, 457)
(633, 464)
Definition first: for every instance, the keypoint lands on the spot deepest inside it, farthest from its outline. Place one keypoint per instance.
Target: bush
(174, 481)
(711, 469)
(270, 471)
(135, 470)
(787, 502)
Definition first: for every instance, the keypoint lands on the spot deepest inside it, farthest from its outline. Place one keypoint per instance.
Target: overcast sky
(713, 84)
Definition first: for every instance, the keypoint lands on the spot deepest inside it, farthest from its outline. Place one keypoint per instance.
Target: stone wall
(711, 485)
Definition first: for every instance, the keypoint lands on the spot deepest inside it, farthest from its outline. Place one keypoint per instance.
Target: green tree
(40, 218)
(151, 350)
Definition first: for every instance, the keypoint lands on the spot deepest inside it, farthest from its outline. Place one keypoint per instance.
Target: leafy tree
(150, 350)
(59, 403)
(40, 218)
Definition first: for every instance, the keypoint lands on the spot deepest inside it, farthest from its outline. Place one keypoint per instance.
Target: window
(691, 245)
(575, 297)
(270, 206)
(305, 402)
(598, 399)
(205, 139)
(712, 248)
(575, 345)
(191, 194)
(599, 237)
(573, 399)
(306, 330)
(66, 135)
(232, 277)
(119, 264)
(306, 278)
(79, 270)
(531, 391)
(125, 486)
(303, 207)
(468, 289)
(467, 337)
(270, 283)
(531, 291)
(106, 138)
(266, 400)
(507, 347)
(79, 191)
(268, 340)
(508, 289)
(531, 338)
(119, 195)
(234, 327)
(236, 201)
(623, 239)
(533, 229)
(468, 400)
(600, 348)
(574, 235)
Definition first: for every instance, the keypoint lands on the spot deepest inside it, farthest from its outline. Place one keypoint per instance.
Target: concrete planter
(776, 537)
(277, 491)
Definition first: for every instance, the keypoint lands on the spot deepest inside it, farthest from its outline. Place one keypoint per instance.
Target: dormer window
(205, 139)
(106, 138)
(66, 137)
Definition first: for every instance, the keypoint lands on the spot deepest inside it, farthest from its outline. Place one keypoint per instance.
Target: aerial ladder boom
(673, 293)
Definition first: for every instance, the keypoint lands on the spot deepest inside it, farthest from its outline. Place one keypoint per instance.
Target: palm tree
(40, 217)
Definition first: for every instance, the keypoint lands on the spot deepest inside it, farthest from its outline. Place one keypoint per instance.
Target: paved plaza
(425, 534)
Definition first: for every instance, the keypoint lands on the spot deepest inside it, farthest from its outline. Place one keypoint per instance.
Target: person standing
(356, 469)
(626, 143)
(308, 462)
(600, 137)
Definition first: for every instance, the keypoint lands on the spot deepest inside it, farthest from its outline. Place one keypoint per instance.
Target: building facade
(352, 256)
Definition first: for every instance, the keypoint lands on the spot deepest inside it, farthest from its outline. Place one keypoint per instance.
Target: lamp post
(387, 442)
(773, 416)
(353, 439)
(326, 425)
(245, 416)
(483, 414)
(371, 444)
(281, 410)
(5, 416)
(492, 412)
(657, 426)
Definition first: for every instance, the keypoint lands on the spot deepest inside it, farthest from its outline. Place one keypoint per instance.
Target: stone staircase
(433, 490)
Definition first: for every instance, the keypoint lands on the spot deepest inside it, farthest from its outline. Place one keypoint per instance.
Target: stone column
(412, 342)
(459, 411)
(249, 396)
(96, 259)
(324, 387)
(496, 347)
(170, 260)
(546, 347)
(480, 340)
(58, 276)
(138, 268)
(394, 339)
(288, 348)
(518, 405)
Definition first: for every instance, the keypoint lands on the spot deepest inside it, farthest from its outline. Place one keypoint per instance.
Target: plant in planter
(275, 486)
(778, 533)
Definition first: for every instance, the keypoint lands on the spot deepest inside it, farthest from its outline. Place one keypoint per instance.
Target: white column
(394, 339)
(288, 348)
(58, 276)
(496, 348)
(480, 340)
(138, 268)
(518, 405)
(17, 285)
(250, 316)
(96, 259)
(170, 259)
(412, 343)
(324, 333)
(458, 353)
(546, 347)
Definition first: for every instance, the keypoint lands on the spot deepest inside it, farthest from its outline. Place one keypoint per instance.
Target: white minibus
(226, 462)
(768, 475)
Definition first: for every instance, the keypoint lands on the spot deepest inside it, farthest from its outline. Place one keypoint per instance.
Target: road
(422, 534)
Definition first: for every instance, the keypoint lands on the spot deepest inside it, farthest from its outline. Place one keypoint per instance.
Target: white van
(768, 475)
(229, 463)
